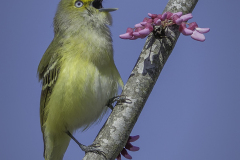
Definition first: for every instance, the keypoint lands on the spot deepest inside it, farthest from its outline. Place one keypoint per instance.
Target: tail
(55, 145)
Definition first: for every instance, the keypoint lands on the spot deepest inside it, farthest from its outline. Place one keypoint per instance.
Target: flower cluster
(129, 147)
(166, 19)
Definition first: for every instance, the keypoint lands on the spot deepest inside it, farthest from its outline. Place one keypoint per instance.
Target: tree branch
(115, 132)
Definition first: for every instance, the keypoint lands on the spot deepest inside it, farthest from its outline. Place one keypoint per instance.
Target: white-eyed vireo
(77, 72)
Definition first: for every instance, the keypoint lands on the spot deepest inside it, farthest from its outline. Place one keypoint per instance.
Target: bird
(77, 72)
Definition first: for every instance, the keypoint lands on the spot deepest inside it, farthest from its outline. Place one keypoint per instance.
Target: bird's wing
(48, 70)
(48, 81)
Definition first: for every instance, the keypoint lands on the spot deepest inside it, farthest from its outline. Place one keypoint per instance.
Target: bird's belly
(80, 97)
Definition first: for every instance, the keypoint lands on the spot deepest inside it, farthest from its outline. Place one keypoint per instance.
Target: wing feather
(48, 70)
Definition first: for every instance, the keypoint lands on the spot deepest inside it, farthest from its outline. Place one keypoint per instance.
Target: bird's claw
(119, 99)
(93, 148)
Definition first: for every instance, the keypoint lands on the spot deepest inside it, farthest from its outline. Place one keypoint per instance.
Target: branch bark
(115, 132)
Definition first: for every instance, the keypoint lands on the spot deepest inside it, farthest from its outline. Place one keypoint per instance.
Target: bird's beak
(107, 9)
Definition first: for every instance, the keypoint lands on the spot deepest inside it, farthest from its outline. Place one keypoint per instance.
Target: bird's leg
(119, 99)
(91, 148)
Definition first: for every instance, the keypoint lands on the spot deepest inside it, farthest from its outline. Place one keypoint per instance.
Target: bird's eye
(78, 4)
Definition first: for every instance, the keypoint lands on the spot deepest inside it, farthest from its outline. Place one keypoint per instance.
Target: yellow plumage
(77, 72)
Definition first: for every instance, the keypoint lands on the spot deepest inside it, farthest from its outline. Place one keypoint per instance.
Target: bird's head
(79, 14)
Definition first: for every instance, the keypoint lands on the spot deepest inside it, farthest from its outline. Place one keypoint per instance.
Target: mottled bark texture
(115, 132)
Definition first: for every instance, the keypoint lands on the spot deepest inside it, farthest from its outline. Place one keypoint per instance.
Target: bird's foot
(119, 99)
(92, 148)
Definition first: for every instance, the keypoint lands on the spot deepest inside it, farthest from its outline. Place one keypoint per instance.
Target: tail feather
(55, 145)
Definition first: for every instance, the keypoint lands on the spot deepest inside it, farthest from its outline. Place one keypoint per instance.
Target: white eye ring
(78, 4)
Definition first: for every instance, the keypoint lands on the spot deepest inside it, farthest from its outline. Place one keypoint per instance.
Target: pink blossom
(169, 15)
(186, 17)
(159, 16)
(138, 25)
(125, 36)
(148, 20)
(129, 147)
(203, 30)
(128, 34)
(164, 16)
(193, 30)
(157, 21)
(187, 32)
(198, 36)
(145, 32)
(152, 15)
(178, 13)
(165, 20)
(192, 25)
(184, 30)
(176, 19)
(143, 23)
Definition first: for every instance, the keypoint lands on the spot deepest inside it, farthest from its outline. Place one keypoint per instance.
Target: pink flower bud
(176, 19)
(164, 16)
(148, 20)
(136, 34)
(203, 30)
(179, 21)
(157, 21)
(182, 26)
(143, 23)
(169, 14)
(152, 15)
(133, 38)
(130, 147)
(125, 154)
(138, 29)
(186, 17)
(198, 36)
(159, 16)
(145, 32)
(138, 25)
(187, 32)
(129, 30)
(178, 13)
(125, 36)
(133, 138)
(192, 25)
(149, 26)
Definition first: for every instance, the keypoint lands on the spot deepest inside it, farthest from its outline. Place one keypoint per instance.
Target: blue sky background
(193, 112)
